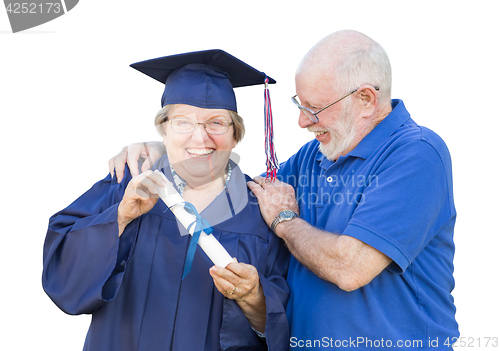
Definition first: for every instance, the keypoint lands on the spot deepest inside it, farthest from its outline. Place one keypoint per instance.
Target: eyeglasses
(313, 115)
(214, 126)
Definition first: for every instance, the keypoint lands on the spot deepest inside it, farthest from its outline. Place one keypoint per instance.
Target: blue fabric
(393, 192)
(199, 85)
(200, 225)
(132, 284)
(202, 78)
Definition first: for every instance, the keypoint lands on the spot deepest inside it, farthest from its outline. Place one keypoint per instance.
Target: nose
(304, 121)
(199, 133)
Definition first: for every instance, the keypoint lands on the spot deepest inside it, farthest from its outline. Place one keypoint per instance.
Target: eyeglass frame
(314, 114)
(198, 123)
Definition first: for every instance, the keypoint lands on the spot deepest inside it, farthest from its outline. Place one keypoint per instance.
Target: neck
(202, 196)
(377, 117)
(205, 186)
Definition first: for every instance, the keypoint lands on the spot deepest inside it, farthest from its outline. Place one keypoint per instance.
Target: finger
(148, 163)
(156, 150)
(157, 178)
(229, 291)
(144, 182)
(119, 164)
(145, 195)
(147, 160)
(242, 270)
(111, 166)
(226, 275)
(134, 153)
(255, 188)
(258, 179)
(220, 283)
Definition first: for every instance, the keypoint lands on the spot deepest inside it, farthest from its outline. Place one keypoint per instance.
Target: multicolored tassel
(271, 159)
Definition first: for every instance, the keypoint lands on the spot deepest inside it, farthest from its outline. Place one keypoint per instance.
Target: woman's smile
(200, 152)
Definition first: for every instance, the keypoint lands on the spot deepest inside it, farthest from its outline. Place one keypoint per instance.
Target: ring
(232, 291)
(261, 184)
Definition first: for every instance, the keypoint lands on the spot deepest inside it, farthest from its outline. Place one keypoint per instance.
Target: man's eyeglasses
(313, 115)
(214, 126)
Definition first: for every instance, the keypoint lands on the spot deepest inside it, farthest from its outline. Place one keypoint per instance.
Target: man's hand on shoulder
(273, 197)
(146, 152)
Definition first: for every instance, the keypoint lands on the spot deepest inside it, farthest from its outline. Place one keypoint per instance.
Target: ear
(368, 99)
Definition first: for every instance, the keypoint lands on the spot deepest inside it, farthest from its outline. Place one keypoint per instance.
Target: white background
(69, 101)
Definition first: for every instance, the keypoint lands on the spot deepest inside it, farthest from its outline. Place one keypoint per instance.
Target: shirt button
(329, 179)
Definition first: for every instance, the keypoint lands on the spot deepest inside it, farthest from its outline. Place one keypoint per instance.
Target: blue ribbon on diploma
(200, 225)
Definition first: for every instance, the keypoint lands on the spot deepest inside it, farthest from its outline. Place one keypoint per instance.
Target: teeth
(201, 152)
(319, 133)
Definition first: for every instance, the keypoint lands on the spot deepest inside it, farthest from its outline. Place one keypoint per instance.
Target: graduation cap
(206, 79)
(203, 78)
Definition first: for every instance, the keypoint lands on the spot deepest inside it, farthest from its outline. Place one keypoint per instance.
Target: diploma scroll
(211, 246)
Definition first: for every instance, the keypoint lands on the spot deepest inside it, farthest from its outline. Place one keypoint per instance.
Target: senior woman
(119, 253)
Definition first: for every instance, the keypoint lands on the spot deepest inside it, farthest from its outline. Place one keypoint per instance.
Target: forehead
(314, 84)
(197, 112)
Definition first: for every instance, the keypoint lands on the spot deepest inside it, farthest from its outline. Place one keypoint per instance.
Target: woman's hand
(139, 198)
(240, 282)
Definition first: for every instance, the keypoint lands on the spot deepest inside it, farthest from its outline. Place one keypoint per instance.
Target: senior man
(366, 209)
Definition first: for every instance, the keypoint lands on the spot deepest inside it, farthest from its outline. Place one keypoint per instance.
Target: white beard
(342, 135)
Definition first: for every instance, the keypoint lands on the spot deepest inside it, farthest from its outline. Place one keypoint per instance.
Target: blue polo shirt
(393, 192)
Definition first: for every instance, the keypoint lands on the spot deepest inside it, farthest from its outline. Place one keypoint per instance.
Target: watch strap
(279, 218)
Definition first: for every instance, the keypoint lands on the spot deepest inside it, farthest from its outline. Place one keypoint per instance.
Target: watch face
(287, 214)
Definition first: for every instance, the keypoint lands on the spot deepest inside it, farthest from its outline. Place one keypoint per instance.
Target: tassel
(271, 159)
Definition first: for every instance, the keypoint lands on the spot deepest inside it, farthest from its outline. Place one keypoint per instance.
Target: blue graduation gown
(132, 284)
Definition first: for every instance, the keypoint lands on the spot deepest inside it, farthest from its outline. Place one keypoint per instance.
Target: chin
(204, 169)
(331, 152)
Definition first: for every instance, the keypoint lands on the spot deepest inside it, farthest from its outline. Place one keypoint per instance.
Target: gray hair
(364, 64)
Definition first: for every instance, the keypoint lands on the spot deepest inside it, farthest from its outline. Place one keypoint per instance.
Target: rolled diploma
(211, 246)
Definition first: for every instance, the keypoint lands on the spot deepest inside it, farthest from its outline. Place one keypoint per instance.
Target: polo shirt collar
(382, 131)
(378, 135)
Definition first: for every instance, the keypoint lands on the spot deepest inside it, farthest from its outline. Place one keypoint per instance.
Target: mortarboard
(206, 79)
(203, 78)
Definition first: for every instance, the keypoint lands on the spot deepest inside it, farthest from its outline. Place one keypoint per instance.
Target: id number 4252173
(31, 7)
(473, 342)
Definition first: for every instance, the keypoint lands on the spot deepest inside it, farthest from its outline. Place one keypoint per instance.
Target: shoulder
(246, 218)
(300, 162)
(420, 142)
(308, 150)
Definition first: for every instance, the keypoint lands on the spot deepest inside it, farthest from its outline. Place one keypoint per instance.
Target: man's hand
(339, 259)
(148, 153)
(273, 197)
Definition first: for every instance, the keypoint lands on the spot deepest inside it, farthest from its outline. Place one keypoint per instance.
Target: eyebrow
(209, 119)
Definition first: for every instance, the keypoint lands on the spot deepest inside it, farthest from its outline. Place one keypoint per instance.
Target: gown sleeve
(84, 259)
(276, 292)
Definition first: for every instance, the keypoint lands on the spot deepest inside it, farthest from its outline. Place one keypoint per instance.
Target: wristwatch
(285, 215)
